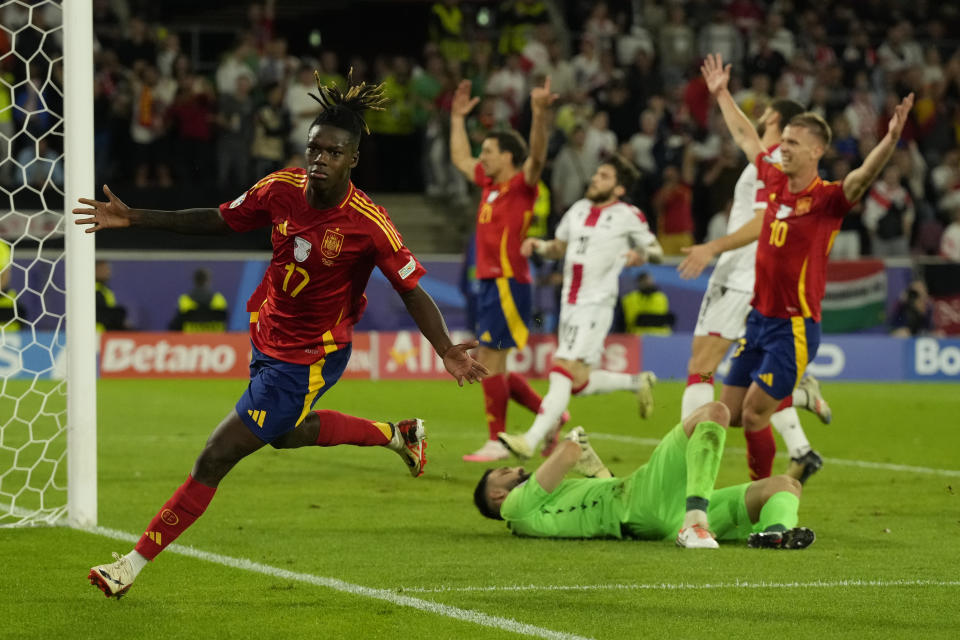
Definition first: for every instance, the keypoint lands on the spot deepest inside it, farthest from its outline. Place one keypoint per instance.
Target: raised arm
(744, 134)
(425, 313)
(700, 255)
(114, 214)
(552, 249)
(563, 459)
(858, 180)
(459, 143)
(540, 101)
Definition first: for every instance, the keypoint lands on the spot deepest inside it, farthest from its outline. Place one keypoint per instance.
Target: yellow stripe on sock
(386, 429)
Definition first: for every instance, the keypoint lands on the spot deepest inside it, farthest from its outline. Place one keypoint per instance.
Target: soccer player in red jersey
(508, 176)
(794, 233)
(327, 236)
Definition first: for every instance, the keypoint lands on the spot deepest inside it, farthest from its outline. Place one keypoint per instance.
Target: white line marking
(865, 464)
(683, 586)
(466, 615)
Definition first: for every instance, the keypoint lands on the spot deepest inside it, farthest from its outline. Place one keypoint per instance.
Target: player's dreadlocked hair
(344, 110)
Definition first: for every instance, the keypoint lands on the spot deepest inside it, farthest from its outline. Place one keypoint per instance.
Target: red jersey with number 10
(312, 292)
(502, 223)
(796, 237)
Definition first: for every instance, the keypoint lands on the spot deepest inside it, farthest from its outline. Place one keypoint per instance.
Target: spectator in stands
(303, 109)
(677, 46)
(721, 36)
(447, 29)
(236, 119)
(271, 126)
(950, 240)
(110, 316)
(913, 315)
(572, 169)
(600, 140)
(888, 215)
(147, 128)
(646, 309)
(41, 165)
(137, 44)
(201, 310)
(12, 312)
(673, 206)
(508, 85)
(234, 65)
(276, 64)
(643, 142)
(192, 118)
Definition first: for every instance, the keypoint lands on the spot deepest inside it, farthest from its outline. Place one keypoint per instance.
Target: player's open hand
(112, 214)
(462, 103)
(715, 73)
(461, 364)
(541, 98)
(899, 118)
(634, 258)
(698, 257)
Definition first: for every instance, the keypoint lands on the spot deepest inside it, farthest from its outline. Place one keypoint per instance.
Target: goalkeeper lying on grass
(671, 495)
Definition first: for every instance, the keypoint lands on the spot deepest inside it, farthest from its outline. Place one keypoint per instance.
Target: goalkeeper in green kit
(672, 495)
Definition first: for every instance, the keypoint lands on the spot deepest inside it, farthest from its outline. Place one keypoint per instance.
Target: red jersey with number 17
(502, 223)
(312, 292)
(796, 237)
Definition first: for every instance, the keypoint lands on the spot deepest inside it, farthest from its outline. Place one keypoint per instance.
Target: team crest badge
(803, 205)
(332, 243)
(301, 248)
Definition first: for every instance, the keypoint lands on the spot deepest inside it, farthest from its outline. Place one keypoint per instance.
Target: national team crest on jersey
(803, 205)
(301, 248)
(332, 243)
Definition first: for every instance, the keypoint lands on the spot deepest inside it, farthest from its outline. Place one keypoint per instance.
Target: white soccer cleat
(409, 440)
(114, 579)
(491, 451)
(815, 400)
(696, 537)
(645, 393)
(517, 444)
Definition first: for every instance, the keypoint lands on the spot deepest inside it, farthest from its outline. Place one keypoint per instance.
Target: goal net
(46, 269)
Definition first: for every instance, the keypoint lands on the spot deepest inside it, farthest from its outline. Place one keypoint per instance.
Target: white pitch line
(684, 586)
(865, 464)
(393, 597)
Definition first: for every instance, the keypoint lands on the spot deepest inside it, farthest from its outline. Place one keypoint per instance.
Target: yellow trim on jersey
(799, 346)
(329, 344)
(314, 385)
(515, 323)
(352, 190)
(394, 241)
(833, 236)
(288, 175)
(504, 258)
(372, 209)
(802, 290)
(255, 315)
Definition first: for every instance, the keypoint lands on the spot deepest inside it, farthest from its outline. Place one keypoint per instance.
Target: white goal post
(48, 340)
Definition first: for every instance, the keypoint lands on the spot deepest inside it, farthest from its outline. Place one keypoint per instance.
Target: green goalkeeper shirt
(578, 508)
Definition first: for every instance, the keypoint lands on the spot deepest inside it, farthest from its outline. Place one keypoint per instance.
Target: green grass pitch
(349, 546)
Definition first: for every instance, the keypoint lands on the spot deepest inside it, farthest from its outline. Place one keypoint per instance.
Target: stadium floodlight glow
(48, 349)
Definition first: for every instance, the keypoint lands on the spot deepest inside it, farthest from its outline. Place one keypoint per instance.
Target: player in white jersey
(726, 303)
(597, 237)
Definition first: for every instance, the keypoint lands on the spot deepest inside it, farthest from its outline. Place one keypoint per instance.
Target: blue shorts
(280, 394)
(774, 353)
(503, 313)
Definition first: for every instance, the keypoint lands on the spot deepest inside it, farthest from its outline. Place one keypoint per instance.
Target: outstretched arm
(744, 134)
(858, 180)
(425, 313)
(564, 458)
(540, 101)
(459, 143)
(700, 255)
(114, 214)
(552, 249)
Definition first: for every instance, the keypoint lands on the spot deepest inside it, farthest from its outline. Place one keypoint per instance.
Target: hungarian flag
(855, 297)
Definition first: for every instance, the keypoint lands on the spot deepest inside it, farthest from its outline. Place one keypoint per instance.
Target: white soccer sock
(551, 408)
(601, 381)
(787, 423)
(137, 561)
(800, 398)
(695, 396)
(695, 516)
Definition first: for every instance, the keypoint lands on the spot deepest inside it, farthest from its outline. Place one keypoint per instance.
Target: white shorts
(723, 312)
(582, 331)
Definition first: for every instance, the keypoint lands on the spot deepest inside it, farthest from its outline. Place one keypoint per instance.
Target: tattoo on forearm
(188, 221)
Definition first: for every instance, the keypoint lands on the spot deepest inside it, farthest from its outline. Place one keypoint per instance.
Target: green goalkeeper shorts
(655, 497)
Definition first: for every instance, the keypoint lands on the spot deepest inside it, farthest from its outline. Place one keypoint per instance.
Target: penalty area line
(391, 596)
(689, 586)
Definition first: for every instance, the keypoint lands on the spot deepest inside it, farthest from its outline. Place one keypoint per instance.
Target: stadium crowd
(626, 74)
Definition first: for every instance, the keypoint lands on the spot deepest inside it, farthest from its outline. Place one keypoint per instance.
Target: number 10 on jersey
(778, 233)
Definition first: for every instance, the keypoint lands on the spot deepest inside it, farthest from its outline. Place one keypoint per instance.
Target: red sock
(785, 403)
(496, 392)
(186, 505)
(339, 428)
(697, 378)
(522, 392)
(760, 451)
